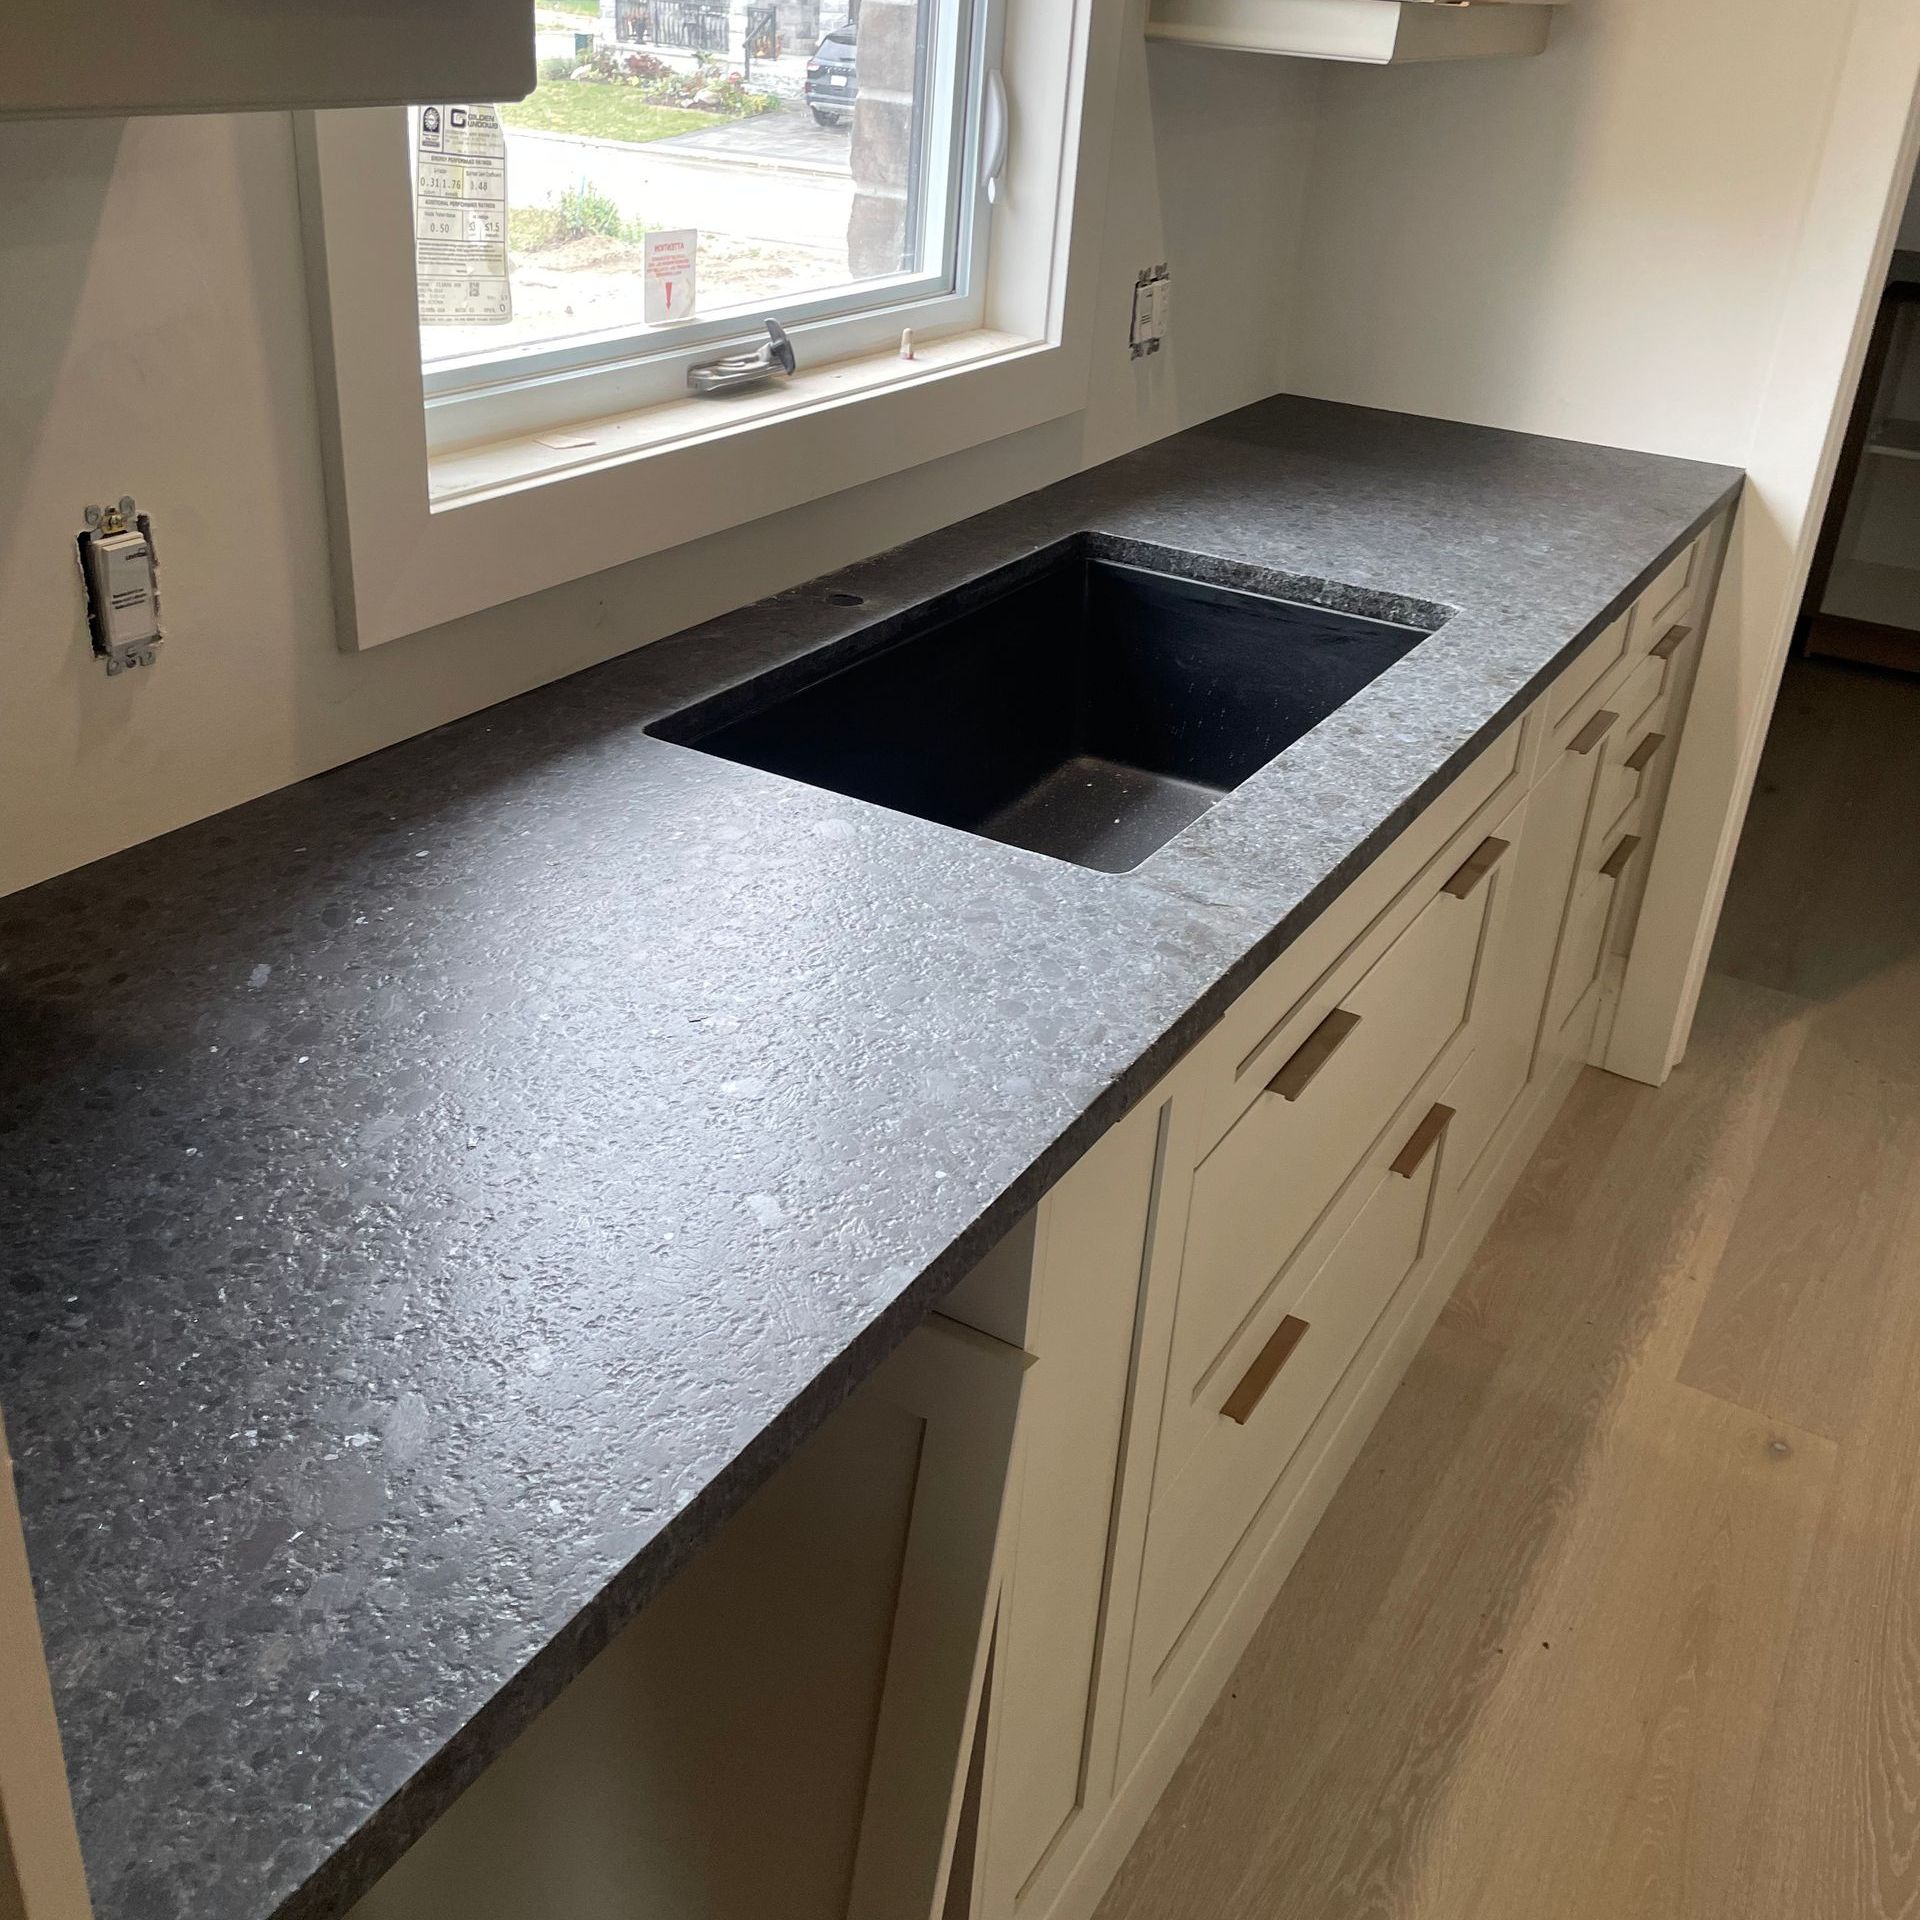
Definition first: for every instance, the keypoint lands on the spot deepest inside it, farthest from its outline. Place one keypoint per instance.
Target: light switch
(1152, 304)
(123, 589)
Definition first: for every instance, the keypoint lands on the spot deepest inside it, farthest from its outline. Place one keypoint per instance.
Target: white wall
(1659, 234)
(153, 340)
(1593, 243)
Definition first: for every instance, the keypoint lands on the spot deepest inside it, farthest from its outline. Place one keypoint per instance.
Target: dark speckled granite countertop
(435, 1194)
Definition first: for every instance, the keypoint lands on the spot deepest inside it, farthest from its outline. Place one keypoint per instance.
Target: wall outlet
(1152, 307)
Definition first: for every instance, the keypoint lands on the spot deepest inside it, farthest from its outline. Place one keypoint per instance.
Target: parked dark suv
(830, 83)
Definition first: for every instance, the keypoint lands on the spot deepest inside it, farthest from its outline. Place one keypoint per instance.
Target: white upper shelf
(1381, 32)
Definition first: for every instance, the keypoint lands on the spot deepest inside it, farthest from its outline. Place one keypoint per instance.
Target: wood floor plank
(1797, 816)
(1618, 1761)
(1639, 1187)
(1834, 1829)
(1790, 1326)
(1824, 893)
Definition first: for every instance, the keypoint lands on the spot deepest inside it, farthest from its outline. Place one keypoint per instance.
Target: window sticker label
(669, 275)
(460, 216)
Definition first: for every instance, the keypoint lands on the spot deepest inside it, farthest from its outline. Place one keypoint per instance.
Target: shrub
(557, 66)
(580, 212)
(585, 209)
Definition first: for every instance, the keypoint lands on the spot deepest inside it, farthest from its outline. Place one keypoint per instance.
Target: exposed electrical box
(123, 587)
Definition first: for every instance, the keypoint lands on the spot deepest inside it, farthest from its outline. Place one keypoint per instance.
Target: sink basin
(1075, 704)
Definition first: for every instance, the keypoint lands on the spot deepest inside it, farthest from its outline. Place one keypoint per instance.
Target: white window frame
(421, 537)
(538, 384)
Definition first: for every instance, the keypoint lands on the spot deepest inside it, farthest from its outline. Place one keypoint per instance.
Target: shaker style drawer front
(1260, 1032)
(1639, 693)
(1280, 1374)
(1586, 673)
(1627, 776)
(1261, 1190)
(1583, 943)
(1669, 598)
(1515, 955)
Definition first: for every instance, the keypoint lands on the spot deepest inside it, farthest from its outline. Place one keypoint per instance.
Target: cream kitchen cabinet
(1223, 1294)
(945, 1662)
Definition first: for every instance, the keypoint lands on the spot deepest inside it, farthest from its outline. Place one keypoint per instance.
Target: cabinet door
(784, 1729)
(1557, 891)
(1093, 1251)
(1509, 987)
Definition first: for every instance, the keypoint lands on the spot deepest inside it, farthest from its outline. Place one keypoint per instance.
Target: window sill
(463, 476)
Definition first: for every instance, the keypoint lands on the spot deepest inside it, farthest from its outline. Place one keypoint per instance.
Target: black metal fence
(686, 24)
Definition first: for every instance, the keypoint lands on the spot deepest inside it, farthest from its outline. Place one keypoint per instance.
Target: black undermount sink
(1074, 704)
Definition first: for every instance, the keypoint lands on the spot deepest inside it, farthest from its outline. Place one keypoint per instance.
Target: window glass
(800, 157)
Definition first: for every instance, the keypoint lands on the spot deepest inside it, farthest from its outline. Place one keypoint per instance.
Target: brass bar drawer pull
(1422, 1141)
(1669, 643)
(1240, 1403)
(1312, 1054)
(1593, 732)
(1615, 863)
(1641, 758)
(1475, 867)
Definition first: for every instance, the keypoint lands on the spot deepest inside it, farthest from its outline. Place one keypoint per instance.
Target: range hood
(1380, 32)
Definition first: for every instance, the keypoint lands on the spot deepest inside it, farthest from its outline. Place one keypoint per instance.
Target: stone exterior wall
(802, 22)
(882, 144)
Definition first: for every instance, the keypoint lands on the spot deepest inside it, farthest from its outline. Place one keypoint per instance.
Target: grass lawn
(587, 9)
(604, 112)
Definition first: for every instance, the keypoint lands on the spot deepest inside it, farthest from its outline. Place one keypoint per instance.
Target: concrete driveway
(789, 136)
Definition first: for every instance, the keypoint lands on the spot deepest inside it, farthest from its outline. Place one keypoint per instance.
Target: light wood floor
(1618, 1614)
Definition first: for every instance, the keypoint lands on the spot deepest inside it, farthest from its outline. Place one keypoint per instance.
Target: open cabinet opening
(788, 1727)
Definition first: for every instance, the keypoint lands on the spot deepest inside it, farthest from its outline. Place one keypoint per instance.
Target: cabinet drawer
(1668, 599)
(1629, 774)
(1261, 1409)
(1586, 673)
(1257, 1034)
(1583, 940)
(1260, 1191)
(1515, 956)
(1639, 693)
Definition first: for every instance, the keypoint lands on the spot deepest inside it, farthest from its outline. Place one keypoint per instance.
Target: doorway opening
(1863, 591)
